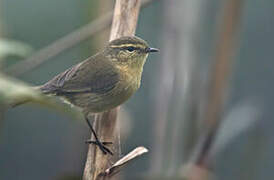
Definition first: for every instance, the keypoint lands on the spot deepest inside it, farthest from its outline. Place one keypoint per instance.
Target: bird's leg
(97, 142)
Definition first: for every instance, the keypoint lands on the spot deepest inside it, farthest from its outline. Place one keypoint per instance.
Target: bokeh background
(168, 114)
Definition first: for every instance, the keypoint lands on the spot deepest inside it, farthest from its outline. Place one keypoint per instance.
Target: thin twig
(115, 168)
(124, 24)
(64, 43)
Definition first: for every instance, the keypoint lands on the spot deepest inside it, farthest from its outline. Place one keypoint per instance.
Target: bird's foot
(101, 145)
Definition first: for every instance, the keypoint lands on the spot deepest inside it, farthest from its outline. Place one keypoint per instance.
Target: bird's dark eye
(130, 48)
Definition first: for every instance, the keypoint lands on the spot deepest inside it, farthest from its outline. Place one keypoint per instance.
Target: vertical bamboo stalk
(177, 86)
(222, 69)
(124, 24)
(218, 86)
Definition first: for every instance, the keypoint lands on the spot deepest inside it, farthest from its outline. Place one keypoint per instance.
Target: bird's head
(129, 52)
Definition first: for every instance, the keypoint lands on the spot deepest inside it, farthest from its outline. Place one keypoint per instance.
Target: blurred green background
(165, 114)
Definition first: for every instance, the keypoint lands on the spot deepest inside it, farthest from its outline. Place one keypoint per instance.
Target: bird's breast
(128, 85)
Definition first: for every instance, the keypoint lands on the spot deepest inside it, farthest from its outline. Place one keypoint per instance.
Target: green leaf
(14, 92)
(11, 47)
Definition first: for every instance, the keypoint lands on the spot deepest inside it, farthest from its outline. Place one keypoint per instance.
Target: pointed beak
(149, 50)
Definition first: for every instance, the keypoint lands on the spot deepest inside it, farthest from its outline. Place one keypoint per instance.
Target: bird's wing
(95, 75)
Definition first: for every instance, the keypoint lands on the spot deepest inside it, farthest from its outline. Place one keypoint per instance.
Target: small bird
(104, 80)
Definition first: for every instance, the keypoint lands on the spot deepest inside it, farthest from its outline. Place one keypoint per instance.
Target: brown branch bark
(124, 24)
